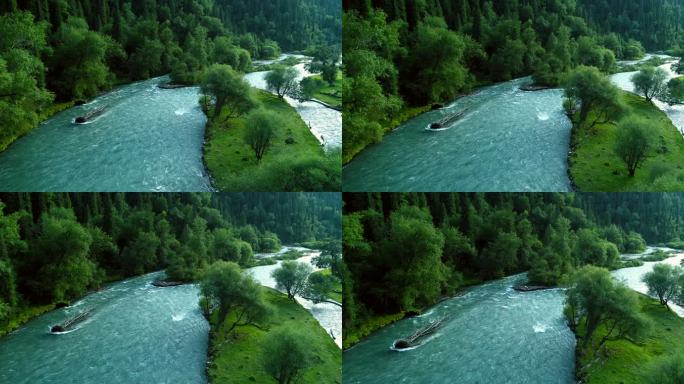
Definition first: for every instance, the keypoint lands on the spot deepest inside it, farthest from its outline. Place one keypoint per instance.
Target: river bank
(230, 161)
(237, 358)
(594, 166)
(629, 362)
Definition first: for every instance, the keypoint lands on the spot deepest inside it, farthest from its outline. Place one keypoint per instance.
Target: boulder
(401, 344)
(57, 328)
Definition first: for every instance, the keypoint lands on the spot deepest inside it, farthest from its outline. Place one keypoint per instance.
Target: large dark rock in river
(401, 344)
(81, 120)
(56, 328)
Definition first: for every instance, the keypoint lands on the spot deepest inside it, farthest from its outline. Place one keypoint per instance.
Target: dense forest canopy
(430, 51)
(404, 250)
(55, 246)
(66, 50)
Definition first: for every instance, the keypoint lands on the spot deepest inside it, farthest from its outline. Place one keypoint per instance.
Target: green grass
(23, 316)
(237, 357)
(330, 94)
(367, 326)
(595, 167)
(47, 113)
(228, 157)
(627, 362)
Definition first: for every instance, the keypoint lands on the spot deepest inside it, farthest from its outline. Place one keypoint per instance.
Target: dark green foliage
(403, 251)
(286, 353)
(664, 282)
(55, 246)
(22, 75)
(261, 128)
(235, 295)
(429, 51)
(292, 277)
(588, 87)
(229, 90)
(633, 143)
(282, 80)
(650, 82)
(88, 47)
(667, 370)
(593, 300)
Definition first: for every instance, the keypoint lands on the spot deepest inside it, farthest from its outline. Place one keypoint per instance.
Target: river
(328, 315)
(325, 123)
(150, 139)
(138, 334)
(493, 335)
(509, 140)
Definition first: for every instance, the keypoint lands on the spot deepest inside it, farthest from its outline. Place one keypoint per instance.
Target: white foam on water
(539, 328)
(178, 317)
(180, 112)
(543, 116)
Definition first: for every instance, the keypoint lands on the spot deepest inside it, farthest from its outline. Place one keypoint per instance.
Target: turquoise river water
(492, 335)
(149, 139)
(508, 140)
(138, 333)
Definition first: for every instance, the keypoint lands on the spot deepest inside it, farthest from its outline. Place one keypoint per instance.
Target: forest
(402, 57)
(56, 246)
(70, 50)
(403, 251)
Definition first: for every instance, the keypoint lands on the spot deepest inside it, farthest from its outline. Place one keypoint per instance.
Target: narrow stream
(328, 315)
(632, 276)
(674, 112)
(325, 123)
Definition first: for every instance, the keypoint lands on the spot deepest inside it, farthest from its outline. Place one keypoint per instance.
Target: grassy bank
(237, 358)
(23, 316)
(50, 111)
(399, 118)
(330, 94)
(594, 166)
(626, 362)
(231, 161)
